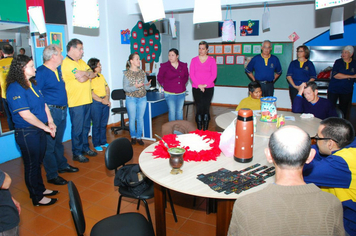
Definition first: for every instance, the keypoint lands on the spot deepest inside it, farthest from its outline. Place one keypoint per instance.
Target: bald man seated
(289, 206)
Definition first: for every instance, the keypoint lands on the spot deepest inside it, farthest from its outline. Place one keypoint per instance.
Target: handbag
(131, 178)
(265, 18)
(228, 29)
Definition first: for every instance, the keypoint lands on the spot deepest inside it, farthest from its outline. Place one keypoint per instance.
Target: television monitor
(320, 4)
(153, 81)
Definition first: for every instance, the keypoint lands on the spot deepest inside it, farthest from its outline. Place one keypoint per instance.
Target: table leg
(160, 211)
(223, 217)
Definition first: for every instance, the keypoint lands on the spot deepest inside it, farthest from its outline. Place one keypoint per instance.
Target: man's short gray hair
(266, 41)
(49, 51)
(350, 49)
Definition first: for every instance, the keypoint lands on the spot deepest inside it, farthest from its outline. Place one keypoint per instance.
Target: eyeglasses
(316, 137)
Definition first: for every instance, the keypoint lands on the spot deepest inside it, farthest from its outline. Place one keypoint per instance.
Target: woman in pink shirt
(203, 71)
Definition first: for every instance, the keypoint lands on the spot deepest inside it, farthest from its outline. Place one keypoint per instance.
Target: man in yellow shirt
(253, 101)
(5, 63)
(77, 76)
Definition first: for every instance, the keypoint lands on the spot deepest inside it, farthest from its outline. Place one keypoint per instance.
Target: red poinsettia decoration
(203, 155)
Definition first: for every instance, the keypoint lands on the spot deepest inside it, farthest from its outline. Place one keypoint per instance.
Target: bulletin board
(232, 58)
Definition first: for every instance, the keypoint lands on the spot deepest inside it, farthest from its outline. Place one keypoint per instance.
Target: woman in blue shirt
(341, 85)
(32, 120)
(300, 71)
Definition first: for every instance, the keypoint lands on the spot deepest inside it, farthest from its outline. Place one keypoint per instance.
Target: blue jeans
(8, 114)
(175, 104)
(54, 159)
(99, 117)
(32, 143)
(136, 109)
(80, 118)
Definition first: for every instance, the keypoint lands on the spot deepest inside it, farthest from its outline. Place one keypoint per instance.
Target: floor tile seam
(22, 228)
(95, 190)
(48, 232)
(51, 231)
(74, 230)
(202, 222)
(101, 206)
(42, 214)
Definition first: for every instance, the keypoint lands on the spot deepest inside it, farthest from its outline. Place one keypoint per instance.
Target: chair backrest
(118, 153)
(119, 94)
(181, 126)
(339, 113)
(76, 208)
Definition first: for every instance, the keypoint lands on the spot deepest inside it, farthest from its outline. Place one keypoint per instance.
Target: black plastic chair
(127, 224)
(339, 113)
(117, 154)
(119, 95)
(187, 104)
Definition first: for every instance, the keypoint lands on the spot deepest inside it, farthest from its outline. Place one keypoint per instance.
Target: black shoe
(54, 192)
(53, 201)
(139, 141)
(57, 181)
(90, 153)
(133, 141)
(80, 158)
(69, 169)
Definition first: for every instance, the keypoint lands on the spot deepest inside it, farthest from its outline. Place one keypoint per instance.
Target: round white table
(264, 129)
(158, 170)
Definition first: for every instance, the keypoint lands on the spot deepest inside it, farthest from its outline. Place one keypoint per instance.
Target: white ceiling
(188, 5)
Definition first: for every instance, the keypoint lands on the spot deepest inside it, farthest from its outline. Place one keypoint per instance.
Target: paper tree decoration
(146, 42)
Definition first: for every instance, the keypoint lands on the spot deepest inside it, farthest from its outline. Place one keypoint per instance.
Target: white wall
(105, 43)
(284, 20)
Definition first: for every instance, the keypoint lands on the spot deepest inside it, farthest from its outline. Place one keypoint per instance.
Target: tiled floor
(100, 196)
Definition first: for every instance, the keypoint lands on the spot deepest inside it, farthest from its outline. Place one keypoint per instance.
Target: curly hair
(16, 72)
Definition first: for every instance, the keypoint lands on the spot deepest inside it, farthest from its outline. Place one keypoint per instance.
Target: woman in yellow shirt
(253, 101)
(100, 106)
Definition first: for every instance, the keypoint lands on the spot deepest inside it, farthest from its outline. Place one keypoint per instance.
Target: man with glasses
(333, 168)
(267, 69)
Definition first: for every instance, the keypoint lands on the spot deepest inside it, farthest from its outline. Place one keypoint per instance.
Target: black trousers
(267, 89)
(344, 102)
(32, 142)
(202, 101)
(292, 94)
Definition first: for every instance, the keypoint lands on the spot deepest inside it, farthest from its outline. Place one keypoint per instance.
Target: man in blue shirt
(51, 84)
(267, 69)
(333, 168)
(311, 103)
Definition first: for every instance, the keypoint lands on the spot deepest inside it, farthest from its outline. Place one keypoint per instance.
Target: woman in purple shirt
(172, 76)
(203, 71)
